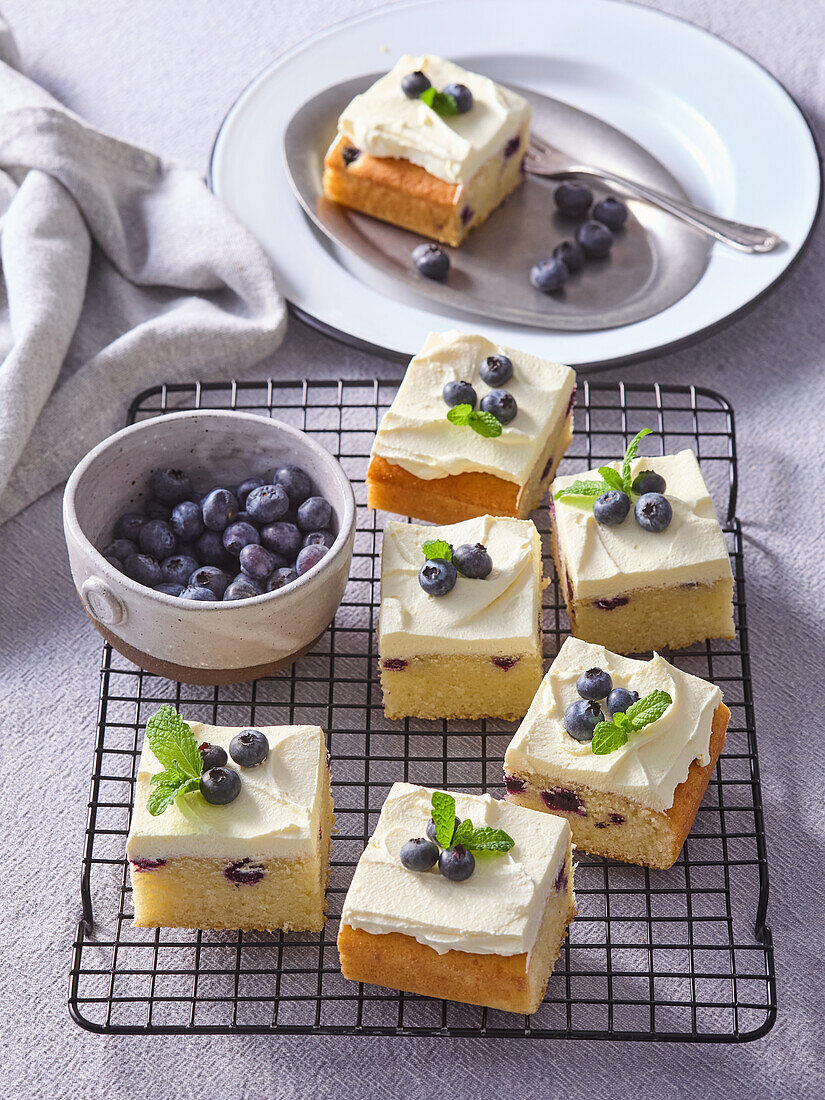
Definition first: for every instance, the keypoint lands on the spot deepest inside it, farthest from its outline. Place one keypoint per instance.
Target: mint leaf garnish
(647, 710)
(165, 788)
(607, 737)
(437, 548)
(630, 454)
(460, 415)
(463, 833)
(441, 102)
(613, 478)
(465, 416)
(581, 489)
(485, 839)
(443, 811)
(173, 743)
(621, 720)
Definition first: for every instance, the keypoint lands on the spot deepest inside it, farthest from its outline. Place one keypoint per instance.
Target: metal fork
(543, 160)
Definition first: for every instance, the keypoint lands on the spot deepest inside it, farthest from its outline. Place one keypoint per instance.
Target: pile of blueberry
(221, 785)
(594, 237)
(456, 863)
(227, 544)
(496, 371)
(653, 511)
(594, 685)
(437, 576)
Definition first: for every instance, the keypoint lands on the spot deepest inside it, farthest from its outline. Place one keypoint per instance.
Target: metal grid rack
(683, 954)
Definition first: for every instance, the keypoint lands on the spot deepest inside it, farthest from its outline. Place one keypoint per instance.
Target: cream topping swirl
(277, 813)
(498, 615)
(383, 122)
(497, 911)
(653, 763)
(416, 434)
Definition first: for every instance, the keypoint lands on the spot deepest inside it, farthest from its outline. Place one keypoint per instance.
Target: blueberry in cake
(459, 628)
(461, 897)
(429, 147)
(474, 428)
(233, 832)
(622, 749)
(639, 553)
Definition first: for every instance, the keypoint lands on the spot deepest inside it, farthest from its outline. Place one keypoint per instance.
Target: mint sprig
(480, 839)
(611, 479)
(609, 736)
(437, 548)
(173, 743)
(443, 812)
(442, 103)
(465, 416)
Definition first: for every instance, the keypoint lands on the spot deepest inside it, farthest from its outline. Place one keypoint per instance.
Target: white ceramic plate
(726, 130)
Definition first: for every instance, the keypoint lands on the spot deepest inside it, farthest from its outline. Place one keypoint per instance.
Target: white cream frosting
(276, 815)
(497, 911)
(608, 561)
(416, 434)
(653, 763)
(498, 615)
(383, 122)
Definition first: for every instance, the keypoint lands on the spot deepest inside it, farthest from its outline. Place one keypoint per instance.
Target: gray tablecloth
(162, 74)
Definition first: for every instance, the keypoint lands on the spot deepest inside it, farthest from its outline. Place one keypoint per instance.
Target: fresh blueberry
(653, 512)
(320, 538)
(456, 864)
(432, 261)
(472, 561)
(210, 549)
(211, 577)
(249, 748)
(549, 276)
(242, 588)
(571, 255)
(213, 756)
(595, 238)
(314, 514)
(143, 569)
(282, 538)
(199, 595)
(581, 719)
(462, 95)
(459, 393)
(257, 562)
(246, 487)
(309, 557)
(620, 699)
(281, 578)
(220, 786)
(129, 525)
(501, 404)
(238, 535)
(157, 539)
(431, 829)
(120, 549)
(170, 589)
(295, 482)
(219, 509)
(611, 507)
(267, 503)
(186, 521)
(413, 84)
(646, 481)
(170, 486)
(349, 155)
(610, 212)
(419, 854)
(595, 683)
(573, 199)
(496, 370)
(156, 510)
(437, 577)
(177, 569)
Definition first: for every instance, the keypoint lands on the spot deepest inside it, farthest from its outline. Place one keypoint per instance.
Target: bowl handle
(101, 603)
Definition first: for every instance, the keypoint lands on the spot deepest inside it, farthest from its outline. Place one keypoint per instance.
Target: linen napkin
(118, 270)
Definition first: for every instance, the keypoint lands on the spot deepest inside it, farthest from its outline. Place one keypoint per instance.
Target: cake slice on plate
(475, 911)
(622, 749)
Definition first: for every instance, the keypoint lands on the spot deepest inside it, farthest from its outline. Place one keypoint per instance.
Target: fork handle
(747, 238)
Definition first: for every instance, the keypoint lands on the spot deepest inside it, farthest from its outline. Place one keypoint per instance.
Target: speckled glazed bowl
(202, 643)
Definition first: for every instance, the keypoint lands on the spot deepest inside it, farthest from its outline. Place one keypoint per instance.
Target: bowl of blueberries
(210, 546)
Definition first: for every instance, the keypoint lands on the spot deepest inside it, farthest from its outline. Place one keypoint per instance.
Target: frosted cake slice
(637, 801)
(490, 935)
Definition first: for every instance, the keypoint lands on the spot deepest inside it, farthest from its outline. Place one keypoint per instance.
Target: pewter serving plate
(655, 260)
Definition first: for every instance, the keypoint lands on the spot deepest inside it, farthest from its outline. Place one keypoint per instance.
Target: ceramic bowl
(202, 643)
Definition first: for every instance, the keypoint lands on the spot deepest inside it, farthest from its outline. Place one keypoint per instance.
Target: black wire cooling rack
(683, 954)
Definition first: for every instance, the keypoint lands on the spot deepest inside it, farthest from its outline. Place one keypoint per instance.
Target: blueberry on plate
(281, 578)
(143, 569)
(177, 569)
(581, 719)
(456, 864)
(646, 481)
(238, 535)
(282, 538)
(209, 549)
(267, 503)
(573, 199)
(320, 538)
(653, 512)
(461, 94)
(199, 595)
(595, 683)
(256, 561)
(419, 854)
(169, 589)
(219, 508)
(213, 756)
(120, 549)
(432, 261)
(309, 557)
(186, 520)
(296, 483)
(170, 486)
(129, 525)
(611, 507)
(571, 255)
(620, 699)
(610, 212)
(437, 576)
(220, 786)
(249, 748)
(496, 370)
(211, 577)
(413, 84)
(473, 561)
(431, 832)
(314, 514)
(549, 276)
(459, 393)
(595, 238)
(501, 404)
(242, 588)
